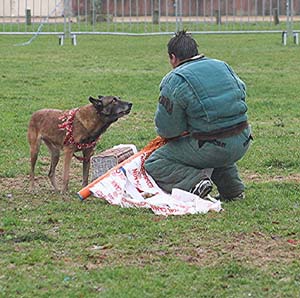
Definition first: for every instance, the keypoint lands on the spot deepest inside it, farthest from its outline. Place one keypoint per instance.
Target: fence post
(289, 23)
(61, 40)
(155, 16)
(28, 16)
(67, 24)
(275, 16)
(296, 38)
(218, 17)
(74, 40)
(284, 37)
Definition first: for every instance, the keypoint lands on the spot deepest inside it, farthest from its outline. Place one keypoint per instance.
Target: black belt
(221, 133)
(222, 144)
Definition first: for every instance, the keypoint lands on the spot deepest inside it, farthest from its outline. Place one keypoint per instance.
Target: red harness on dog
(67, 124)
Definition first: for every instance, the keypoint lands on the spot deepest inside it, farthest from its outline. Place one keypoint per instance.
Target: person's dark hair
(183, 46)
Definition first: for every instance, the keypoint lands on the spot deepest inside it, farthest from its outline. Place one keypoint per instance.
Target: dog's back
(44, 124)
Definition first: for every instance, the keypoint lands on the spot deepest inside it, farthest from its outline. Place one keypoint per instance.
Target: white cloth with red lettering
(130, 186)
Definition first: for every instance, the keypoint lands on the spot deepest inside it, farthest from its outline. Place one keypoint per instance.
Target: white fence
(133, 17)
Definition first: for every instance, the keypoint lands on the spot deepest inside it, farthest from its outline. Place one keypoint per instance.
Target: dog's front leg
(87, 153)
(67, 163)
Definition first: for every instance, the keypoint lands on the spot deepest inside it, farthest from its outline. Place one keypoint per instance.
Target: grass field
(57, 246)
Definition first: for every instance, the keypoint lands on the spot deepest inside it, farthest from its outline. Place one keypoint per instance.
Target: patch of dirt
(21, 183)
(256, 249)
(255, 177)
(42, 183)
(249, 249)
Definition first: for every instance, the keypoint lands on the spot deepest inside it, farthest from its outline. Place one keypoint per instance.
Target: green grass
(57, 246)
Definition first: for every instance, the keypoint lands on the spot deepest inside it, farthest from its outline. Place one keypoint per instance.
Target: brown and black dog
(71, 131)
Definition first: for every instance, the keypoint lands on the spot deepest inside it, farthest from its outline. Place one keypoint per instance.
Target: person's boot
(203, 188)
(238, 197)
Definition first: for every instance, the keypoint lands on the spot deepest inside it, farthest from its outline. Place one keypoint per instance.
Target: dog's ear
(97, 103)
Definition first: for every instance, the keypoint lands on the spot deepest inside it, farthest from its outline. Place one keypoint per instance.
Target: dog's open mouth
(123, 113)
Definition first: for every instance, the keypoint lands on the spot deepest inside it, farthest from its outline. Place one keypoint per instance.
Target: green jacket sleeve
(240, 83)
(170, 116)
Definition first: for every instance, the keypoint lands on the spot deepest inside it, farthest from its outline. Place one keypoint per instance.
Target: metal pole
(180, 12)
(288, 18)
(288, 32)
(294, 34)
(67, 24)
(65, 16)
(176, 14)
(292, 16)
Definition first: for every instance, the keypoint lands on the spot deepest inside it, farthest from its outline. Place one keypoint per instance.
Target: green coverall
(200, 95)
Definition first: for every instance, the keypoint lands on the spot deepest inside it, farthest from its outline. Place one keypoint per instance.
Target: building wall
(196, 7)
(146, 7)
(38, 8)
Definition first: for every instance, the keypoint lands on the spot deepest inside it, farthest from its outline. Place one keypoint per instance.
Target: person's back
(209, 91)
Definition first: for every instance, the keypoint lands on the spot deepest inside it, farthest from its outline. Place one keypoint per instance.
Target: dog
(71, 131)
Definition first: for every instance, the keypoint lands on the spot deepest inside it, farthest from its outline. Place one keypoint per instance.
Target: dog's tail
(34, 140)
(33, 134)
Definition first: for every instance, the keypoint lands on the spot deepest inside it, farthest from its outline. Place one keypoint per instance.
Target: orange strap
(148, 149)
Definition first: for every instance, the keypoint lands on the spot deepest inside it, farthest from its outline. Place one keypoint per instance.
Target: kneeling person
(202, 111)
